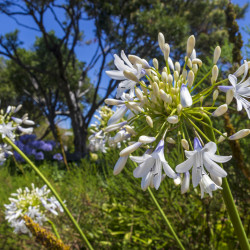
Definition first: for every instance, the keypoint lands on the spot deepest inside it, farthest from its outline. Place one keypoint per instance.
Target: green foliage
(116, 214)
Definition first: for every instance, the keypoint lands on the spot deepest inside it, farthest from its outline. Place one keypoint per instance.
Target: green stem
(7, 140)
(209, 72)
(164, 216)
(54, 228)
(166, 219)
(229, 202)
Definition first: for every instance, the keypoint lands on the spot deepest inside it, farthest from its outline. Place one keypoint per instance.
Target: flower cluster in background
(170, 108)
(37, 148)
(35, 203)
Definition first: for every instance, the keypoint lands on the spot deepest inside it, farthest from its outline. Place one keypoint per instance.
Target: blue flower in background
(58, 157)
(39, 156)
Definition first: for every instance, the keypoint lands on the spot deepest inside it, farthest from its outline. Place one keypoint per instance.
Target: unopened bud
(170, 140)
(155, 63)
(240, 134)
(185, 144)
(161, 40)
(149, 121)
(176, 76)
(130, 76)
(184, 74)
(111, 101)
(166, 51)
(146, 139)
(217, 53)
(185, 183)
(173, 119)
(130, 149)
(215, 95)
(190, 45)
(221, 110)
(197, 61)
(179, 108)
(201, 99)
(139, 94)
(178, 67)
(155, 88)
(195, 68)
(137, 60)
(120, 164)
(229, 96)
(164, 77)
(189, 63)
(170, 79)
(163, 95)
(190, 78)
(215, 73)
(222, 138)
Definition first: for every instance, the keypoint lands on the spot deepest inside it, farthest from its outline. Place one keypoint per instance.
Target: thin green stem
(209, 72)
(166, 219)
(54, 228)
(7, 140)
(229, 201)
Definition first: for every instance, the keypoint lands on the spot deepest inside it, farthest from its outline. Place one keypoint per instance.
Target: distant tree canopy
(55, 81)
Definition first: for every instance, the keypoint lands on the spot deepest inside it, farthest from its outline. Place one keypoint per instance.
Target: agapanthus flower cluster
(33, 147)
(35, 203)
(11, 126)
(161, 106)
(99, 140)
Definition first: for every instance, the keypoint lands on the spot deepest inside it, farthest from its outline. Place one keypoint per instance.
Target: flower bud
(190, 45)
(197, 61)
(119, 136)
(215, 95)
(139, 94)
(143, 87)
(130, 149)
(161, 40)
(114, 127)
(190, 78)
(217, 53)
(177, 180)
(18, 108)
(169, 99)
(137, 60)
(110, 101)
(221, 110)
(166, 51)
(155, 88)
(155, 63)
(184, 74)
(217, 180)
(146, 139)
(179, 108)
(185, 144)
(185, 97)
(170, 140)
(170, 79)
(17, 120)
(130, 130)
(222, 138)
(178, 67)
(120, 164)
(185, 183)
(176, 76)
(173, 119)
(164, 77)
(195, 68)
(149, 121)
(130, 76)
(201, 99)
(189, 63)
(163, 95)
(215, 73)
(240, 134)
(28, 122)
(229, 96)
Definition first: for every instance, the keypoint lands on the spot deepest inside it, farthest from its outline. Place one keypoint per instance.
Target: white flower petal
(115, 74)
(118, 115)
(168, 170)
(213, 167)
(196, 176)
(220, 158)
(185, 166)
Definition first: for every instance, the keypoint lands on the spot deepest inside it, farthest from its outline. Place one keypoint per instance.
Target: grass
(116, 214)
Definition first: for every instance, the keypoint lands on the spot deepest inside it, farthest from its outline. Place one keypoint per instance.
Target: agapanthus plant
(158, 105)
(35, 203)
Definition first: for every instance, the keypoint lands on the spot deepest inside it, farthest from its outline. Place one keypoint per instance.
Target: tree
(129, 25)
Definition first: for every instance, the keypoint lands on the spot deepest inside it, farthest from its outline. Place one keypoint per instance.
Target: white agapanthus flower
(150, 167)
(6, 130)
(123, 64)
(35, 203)
(207, 185)
(241, 90)
(201, 159)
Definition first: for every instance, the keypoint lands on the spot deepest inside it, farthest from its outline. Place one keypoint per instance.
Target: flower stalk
(77, 227)
(228, 199)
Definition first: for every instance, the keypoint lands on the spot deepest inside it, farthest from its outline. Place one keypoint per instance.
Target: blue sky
(83, 52)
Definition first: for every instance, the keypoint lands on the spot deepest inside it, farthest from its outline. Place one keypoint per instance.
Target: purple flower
(39, 156)
(58, 157)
